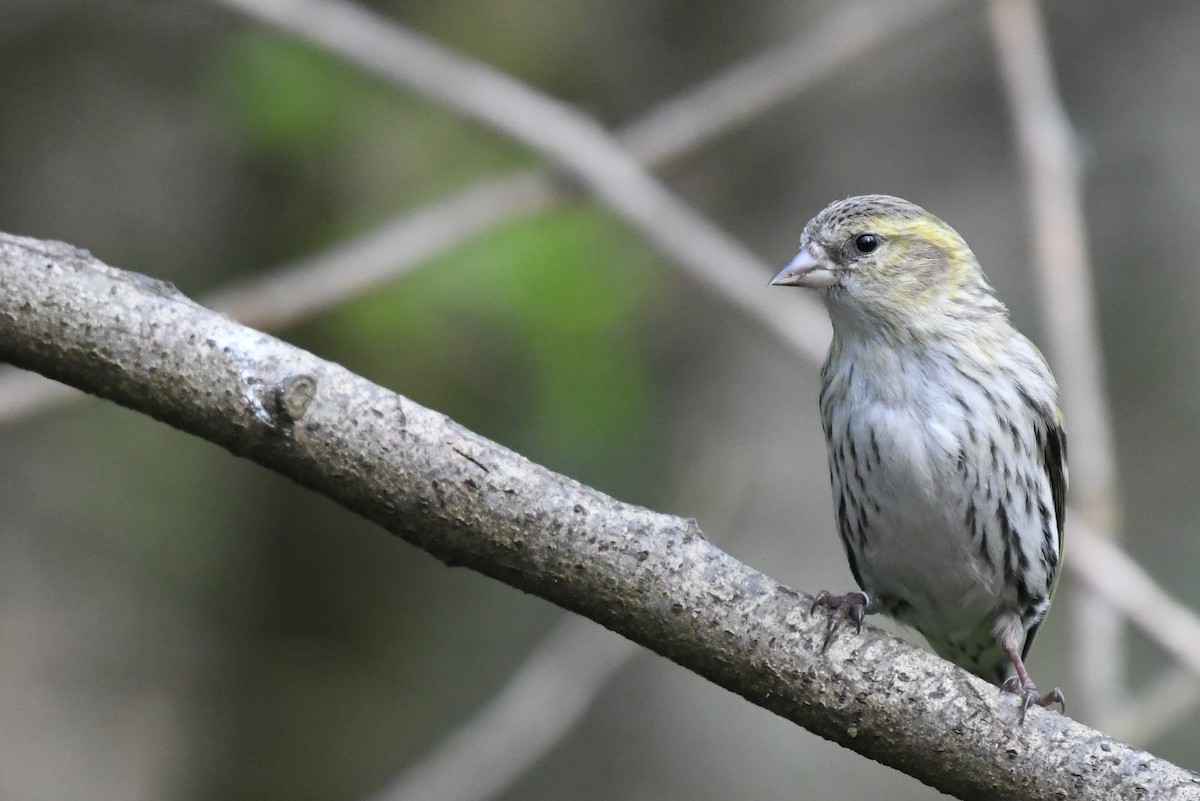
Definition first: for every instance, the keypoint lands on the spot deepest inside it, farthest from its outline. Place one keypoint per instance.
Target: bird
(946, 442)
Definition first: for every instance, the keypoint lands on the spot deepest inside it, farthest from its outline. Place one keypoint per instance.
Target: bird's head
(885, 266)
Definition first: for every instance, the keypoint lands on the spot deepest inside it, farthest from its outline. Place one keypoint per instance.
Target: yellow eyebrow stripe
(933, 231)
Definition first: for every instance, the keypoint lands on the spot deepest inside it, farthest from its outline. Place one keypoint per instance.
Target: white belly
(917, 547)
(935, 490)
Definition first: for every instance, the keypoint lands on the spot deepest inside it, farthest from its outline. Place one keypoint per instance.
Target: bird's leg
(1023, 686)
(852, 605)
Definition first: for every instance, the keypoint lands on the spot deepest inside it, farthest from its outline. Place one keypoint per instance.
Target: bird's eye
(865, 243)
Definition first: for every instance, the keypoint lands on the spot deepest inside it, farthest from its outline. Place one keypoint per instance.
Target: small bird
(946, 446)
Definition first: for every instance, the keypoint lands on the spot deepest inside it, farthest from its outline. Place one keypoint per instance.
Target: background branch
(295, 291)
(566, 138)
(1053, 179)
(468, 501)
(547, 697)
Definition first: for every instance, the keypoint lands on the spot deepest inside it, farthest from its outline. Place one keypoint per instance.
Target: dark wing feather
(1054, 460)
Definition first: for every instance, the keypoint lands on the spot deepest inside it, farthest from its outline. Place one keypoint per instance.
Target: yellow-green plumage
(946, 446)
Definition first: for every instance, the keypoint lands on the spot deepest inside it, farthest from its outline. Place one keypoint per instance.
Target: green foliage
(333, 149)
(283, 97)
(536, 325)
(287, 101)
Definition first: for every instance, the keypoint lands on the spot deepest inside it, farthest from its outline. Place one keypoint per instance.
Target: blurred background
(177, 623)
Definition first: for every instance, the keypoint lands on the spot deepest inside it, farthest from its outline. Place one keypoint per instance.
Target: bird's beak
(806, 270)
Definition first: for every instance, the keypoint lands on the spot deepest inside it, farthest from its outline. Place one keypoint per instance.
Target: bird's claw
(1030, 695)
(852, 606)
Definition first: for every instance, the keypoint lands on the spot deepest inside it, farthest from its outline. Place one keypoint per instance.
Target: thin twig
(749, 89)
(351, 268)
(1120, 583)
(1168, 702)
(543, 701)
(1049, 156)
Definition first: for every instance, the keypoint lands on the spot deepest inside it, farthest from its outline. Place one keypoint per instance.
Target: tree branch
(651, 577)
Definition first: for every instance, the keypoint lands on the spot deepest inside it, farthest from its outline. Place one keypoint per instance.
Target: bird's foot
(1029, 695)
(851, 606)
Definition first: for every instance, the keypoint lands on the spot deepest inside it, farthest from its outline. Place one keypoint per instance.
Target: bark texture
(653, 578)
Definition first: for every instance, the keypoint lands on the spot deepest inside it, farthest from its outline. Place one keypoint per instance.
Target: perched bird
(946, 446)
